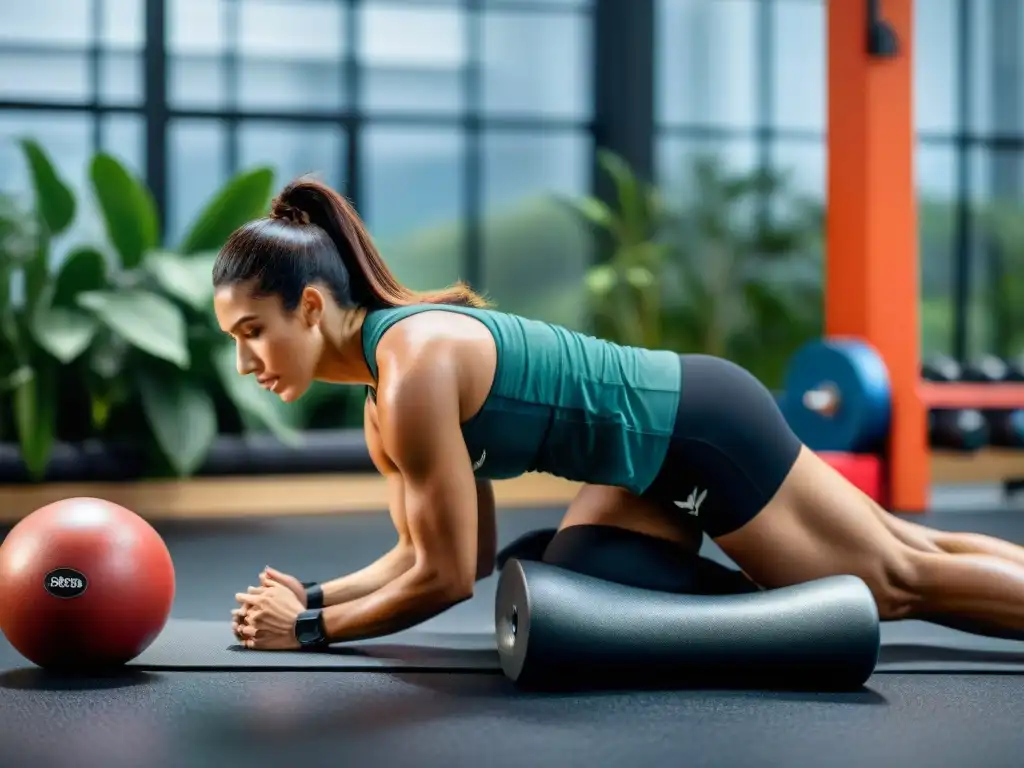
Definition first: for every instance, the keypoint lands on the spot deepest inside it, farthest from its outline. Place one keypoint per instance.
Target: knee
(895, 584)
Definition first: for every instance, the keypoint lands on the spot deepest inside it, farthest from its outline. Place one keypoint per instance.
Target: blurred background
(651, 171)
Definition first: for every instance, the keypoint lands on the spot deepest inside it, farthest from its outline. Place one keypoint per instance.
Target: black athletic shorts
(731, 448)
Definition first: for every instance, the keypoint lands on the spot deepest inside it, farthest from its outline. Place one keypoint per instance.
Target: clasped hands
(265, 618)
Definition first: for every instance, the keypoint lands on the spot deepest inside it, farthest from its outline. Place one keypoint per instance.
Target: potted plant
(706, 273)
(117, 342)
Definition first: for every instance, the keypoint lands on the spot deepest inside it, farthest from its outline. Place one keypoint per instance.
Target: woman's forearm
(371, 578)
(415, 596)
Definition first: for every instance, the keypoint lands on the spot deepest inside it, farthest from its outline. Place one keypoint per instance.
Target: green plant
(997, 322)
(708, 273)
(625, 295)
(127, 325)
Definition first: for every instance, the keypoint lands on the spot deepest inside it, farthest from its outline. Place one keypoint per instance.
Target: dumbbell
(941, 368)
(957, 429)
(1006, 426)
(1015, 369)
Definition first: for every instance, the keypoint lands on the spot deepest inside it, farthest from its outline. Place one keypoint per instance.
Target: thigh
(819, 525)
(617, 507)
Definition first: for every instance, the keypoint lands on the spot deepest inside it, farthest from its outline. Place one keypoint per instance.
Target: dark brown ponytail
(371, 283)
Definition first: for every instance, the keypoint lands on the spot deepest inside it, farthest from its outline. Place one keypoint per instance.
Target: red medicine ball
(84, 584)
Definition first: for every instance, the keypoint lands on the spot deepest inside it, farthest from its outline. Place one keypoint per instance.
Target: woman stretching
(668, 447)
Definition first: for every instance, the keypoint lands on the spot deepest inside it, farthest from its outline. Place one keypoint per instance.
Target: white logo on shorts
(693, 502)
(480, 462)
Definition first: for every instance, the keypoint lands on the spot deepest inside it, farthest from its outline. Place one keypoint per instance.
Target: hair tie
(288, 212)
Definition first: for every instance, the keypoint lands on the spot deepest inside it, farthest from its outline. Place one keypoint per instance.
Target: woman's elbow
(449, 585)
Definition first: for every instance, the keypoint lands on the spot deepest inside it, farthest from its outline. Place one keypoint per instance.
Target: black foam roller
(557, 628)
(529, 546)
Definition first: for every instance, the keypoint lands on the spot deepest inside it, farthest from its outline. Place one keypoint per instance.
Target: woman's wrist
(314, 595)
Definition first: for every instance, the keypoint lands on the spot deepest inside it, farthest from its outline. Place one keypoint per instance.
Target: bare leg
(957, 542)
(818, 525)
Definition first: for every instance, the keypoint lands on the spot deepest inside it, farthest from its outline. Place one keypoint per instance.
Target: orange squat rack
(872, 290)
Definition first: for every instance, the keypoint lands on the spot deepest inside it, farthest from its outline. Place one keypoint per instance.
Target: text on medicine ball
(65, 583)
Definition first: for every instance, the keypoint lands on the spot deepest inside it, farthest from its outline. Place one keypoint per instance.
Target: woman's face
(280, 348)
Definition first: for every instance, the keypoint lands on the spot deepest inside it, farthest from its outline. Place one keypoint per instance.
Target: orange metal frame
(872, 267)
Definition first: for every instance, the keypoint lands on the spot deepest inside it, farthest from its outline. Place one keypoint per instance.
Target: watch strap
(314, 595)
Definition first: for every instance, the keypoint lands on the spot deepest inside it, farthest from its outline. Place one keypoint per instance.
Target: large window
(71, 78)
(451, 124)
(745, 80)
(454, 124)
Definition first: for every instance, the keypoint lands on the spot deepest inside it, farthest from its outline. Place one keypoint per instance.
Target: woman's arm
(420, 431)
(487, 530)
(402, 556)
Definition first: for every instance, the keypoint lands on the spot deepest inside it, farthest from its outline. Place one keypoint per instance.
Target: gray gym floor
(254, 719)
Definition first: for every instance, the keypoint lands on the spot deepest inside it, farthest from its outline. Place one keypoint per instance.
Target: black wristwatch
(314, 594)
(309, 629)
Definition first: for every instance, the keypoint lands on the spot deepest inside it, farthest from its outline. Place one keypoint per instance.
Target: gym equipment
(85, 585)
(1005, 425)
(191, 644)
(638, 560)
(957, 429)
(188, 644)
(837, 396)
(1015, 368)
(837, 399)
(529, 546)
(964, 429)
(556, 628)
(987, 369)
(864, 470)
(941, 368)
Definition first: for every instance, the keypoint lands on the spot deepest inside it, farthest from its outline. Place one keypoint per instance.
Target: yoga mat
(916, 646)
(207, 645)
(907, 647)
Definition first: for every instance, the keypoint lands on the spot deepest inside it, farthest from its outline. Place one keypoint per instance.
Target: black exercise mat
(908, 646)
(915, 646)
(209, 645)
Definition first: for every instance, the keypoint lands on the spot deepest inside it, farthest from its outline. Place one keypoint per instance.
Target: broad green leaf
(34, 417)
(187, 278)
(54, 199)
(252, 399)
(595, 212)
(84, 269)
(182, 416)
(36, 272)
(146, 320)
(128, 210)
(242, 199)
(630, 191)
(64, 333)
(19, 230)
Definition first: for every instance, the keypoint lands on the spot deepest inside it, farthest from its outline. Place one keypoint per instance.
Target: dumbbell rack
(872, 291)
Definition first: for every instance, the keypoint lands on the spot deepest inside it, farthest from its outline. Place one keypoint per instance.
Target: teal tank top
(562, 402)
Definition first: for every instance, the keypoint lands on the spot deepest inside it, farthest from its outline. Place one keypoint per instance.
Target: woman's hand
(266, 619)
(272, 574)
(268, 574)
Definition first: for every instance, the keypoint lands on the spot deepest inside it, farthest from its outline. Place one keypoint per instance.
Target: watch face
(309, 630)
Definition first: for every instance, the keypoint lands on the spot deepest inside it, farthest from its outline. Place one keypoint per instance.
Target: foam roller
(558, 628)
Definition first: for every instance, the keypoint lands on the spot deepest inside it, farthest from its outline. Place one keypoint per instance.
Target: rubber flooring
(255, 719)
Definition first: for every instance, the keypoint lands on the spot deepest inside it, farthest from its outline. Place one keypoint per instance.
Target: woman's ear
(311, 306)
